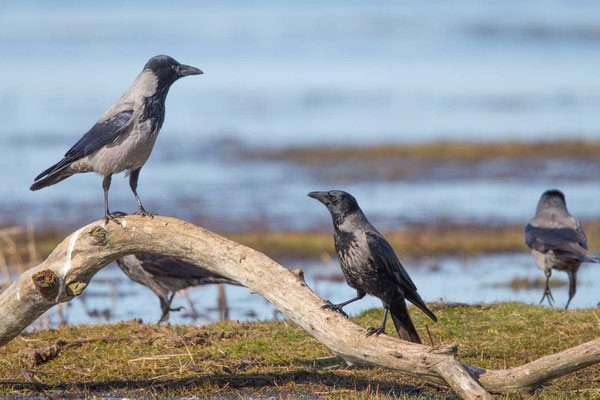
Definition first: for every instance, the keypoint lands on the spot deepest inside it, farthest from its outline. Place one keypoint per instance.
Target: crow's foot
(335, 307)
(548, 294)
(145, 213)
(110, 217)
(375, 331)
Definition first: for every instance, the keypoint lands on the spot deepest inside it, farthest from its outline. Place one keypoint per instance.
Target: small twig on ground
(429, 333)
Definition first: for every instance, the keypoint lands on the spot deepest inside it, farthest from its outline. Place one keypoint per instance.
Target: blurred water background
(311, 73)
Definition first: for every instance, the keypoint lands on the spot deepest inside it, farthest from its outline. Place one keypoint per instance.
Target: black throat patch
(154, 108)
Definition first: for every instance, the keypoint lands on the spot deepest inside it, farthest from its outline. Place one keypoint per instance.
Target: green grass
(277, 358)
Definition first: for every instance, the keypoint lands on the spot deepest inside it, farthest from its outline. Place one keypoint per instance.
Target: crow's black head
(168, 70)
(336, 201)
(552, 199)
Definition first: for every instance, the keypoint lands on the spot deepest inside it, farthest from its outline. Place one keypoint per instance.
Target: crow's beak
(321, 196)
(185, 70)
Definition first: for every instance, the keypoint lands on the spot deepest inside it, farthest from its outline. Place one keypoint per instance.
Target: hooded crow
(370, 265)
(166, 275)
(557, 241)
(124, 136)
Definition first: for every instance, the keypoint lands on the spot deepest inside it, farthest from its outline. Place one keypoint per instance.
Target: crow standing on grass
(557, 241)
(166, 275)
(370, 265)
(123, 137)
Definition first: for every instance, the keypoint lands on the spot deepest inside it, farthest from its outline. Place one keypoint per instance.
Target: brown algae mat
(426, 240)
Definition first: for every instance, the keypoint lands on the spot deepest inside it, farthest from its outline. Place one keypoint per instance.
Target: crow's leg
(194, 313)
(547, 292)
(133, 181)
(107, 215)
(165, 306)
(338, 307)
(572, 286)
(381, 329)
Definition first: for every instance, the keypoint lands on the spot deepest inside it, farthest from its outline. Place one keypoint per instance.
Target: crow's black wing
(383, 254)
(100, 135)
(560, 240)
(171, 267)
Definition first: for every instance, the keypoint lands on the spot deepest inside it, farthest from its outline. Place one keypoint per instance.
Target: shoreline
(413, 242)
(467, 151)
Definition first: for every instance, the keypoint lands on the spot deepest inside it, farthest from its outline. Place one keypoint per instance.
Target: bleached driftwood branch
(68, 270)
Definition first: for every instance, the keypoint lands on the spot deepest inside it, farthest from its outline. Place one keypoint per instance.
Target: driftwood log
(68, 270)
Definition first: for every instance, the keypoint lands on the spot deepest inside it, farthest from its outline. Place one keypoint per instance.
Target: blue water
(280, 74)
(483, 279)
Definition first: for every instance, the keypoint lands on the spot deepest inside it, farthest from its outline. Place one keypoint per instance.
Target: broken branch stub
(68, 270)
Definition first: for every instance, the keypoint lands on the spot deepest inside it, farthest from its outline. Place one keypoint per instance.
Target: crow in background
(370, 265)
(124, 136)
(166, 275)
(557, 241)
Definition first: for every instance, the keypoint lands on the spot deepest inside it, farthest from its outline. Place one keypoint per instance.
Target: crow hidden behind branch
(166, 275)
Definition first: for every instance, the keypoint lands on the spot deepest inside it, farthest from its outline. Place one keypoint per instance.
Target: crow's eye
(174, 67)
(334, 199)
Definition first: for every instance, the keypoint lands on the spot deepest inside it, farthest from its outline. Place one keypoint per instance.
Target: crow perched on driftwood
(557, 241)
(166, 275)
(124, 136)
(370, 265)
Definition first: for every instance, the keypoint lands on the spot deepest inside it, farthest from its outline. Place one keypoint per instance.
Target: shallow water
(482, 279)
(279, 74)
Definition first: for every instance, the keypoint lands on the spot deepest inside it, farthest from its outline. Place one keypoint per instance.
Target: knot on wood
(300, 274)
(76, 288)
(46, 282)
(99, 235)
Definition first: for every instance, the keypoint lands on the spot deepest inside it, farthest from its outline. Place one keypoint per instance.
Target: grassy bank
(439, 151)
(413, 242)
(276, 357)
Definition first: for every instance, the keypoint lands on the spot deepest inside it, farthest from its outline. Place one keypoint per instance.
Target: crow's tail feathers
(404, 325)
(592, 259)
(52, 175)
(414, 298)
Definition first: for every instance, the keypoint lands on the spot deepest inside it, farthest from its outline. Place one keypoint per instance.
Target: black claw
(145, 213)
(334, 307)
(177, 309)
(109, 217)
(548, 294)
(375, 331)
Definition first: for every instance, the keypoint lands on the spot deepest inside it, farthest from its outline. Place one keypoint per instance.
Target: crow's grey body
(124, 136)
(370, 265)
(557, 241)
(166, 275)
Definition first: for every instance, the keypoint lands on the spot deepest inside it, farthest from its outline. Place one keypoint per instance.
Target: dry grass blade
(159, 357)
